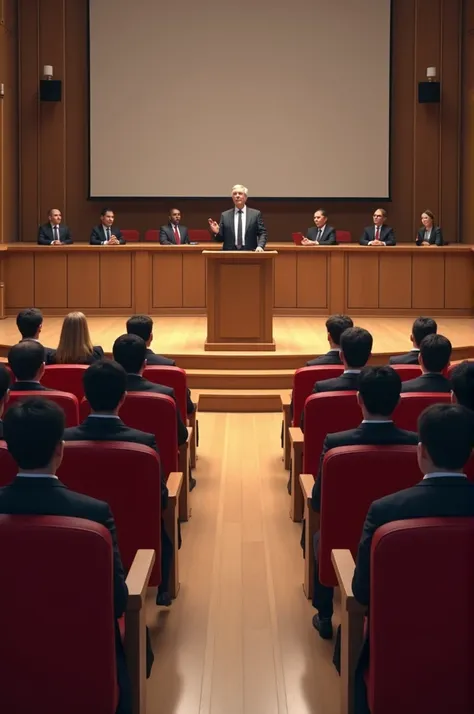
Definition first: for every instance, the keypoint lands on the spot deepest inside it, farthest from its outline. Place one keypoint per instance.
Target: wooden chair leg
(193, 445)
(311, 526)
(170, 517)
(184, 467)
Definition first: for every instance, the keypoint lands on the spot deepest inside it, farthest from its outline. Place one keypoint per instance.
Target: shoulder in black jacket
(429, 382)
(331, 357)
(410, 357)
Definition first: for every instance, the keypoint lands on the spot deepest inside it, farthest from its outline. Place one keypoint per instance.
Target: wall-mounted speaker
(429, 92)
(50, 90)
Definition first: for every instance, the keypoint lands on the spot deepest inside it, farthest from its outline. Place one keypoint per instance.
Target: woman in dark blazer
(429, 234)
(75, 344)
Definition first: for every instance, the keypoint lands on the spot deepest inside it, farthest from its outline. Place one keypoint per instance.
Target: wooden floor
(239, 638)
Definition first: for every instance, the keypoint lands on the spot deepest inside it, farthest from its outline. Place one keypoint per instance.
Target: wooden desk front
(144, 277)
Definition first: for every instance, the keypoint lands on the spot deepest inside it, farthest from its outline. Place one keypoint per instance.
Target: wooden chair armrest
(174, 483)
(344, 567)
(286, 408)
(184, 466)
(296, 496)
(192, 424)
(285, 401)
(307, 483)
(311, 519)
(170, 517)
(296, 436)
(138, 577)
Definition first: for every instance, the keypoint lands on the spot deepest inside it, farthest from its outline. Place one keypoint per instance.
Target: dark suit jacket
(136, 383)
(167, 235)
(98, 235)
(410, 357)
(27, 386)
(254, 231)
(436, 236)
(386, 235)
(381, 434)
(345, 382)
(45, 234)
(97, 354)
(328, 236)
(331, 357)
(429, 382)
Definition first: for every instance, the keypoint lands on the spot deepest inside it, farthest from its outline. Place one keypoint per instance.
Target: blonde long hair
(75, 344)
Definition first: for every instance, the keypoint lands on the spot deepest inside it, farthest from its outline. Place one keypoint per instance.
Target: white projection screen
(291, 99)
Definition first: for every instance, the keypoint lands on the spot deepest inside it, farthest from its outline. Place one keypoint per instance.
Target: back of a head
(422, 327)
(130, 352)
(29, 321)
(447, 433)
(379, 389)
(26, 358)
(356, 346)
(435, 352)
(105, 383)
(462, 382)
(75, 344)
(141, 325)
(336, 324)
(32, 429)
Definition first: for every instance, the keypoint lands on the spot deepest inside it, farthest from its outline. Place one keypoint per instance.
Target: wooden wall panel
(395, 281)
(428, 281)
(285, 280)
(363, 280)
(467, 154)
(194, 280)
(83, 280)
(459, 284)
(51, 279)
(20, 280)
(167, 280)
(115, 271)
(9, 164)
(312, 279)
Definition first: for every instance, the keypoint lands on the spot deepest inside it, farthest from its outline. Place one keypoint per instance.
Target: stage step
(239, 400)
(235, 379)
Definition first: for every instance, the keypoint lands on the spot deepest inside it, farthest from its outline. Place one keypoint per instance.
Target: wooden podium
(239, 300)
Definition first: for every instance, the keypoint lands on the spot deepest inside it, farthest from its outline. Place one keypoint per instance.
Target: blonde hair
(75, 344)
(239, 187)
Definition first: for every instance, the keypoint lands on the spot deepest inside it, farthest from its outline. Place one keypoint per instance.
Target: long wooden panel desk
(146, 277)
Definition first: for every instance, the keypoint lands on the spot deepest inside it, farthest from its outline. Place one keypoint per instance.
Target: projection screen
(291, 99)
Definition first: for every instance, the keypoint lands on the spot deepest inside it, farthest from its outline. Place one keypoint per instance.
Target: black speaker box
(429, 92)
(50, 90)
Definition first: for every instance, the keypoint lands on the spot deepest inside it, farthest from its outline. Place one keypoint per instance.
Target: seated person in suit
(379, 394)
(435, 353)
(26, 360)
(241, 227)
(33, 430)
(130, 352)
(430, 234)
(52, 232)
(174, 233)
(105, 389)
(142, 325)
(462, 383)
(422, 327)
(321, 234)
(106, 233)
(4, 392)
(30, 324)
(335, 325)
(75, 344)
(355, 349)
(379, 233)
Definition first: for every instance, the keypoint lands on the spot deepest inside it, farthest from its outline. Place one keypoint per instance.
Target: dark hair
(107, 210)
(26, 358)
(4, 380)
(336, 324)
(422, 327)
(447, 433)
(356, 346)
(382, 211)
(105, 383)
(130, 352)
(380, 389)
(32, 429)
(462, 382)
(173, 209)
(29, 321)
(141, 325)
(429, 213)
(321, 210)
(435, 351)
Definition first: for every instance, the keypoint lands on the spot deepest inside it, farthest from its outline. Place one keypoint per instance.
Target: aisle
(239, 640)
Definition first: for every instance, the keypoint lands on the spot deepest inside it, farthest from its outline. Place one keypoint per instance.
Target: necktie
(56, 232)
(318, 237)
(239, 229)
(176, 235)
(377, 233)
(108, 233)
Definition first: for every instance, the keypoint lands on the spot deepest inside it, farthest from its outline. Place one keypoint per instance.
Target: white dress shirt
(322, 229)
(56, 234)
(21, 475)
(236, 222)
(173, 227)
(427, 234)
(444, 474)
(105, 229)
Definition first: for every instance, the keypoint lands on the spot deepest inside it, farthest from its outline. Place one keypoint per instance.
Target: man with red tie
(379, 233)
(174, 233)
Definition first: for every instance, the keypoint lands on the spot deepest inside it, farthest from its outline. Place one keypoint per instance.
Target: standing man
(379, 233)
(52, 232)
(106, 233)
(321, 233)
(240, 228)
(174, 233)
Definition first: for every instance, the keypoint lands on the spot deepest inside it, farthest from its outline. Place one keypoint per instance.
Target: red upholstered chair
(8, 467)
(173, 377)
(65, 647)
(152, 235)
(199, 235)
(65, 378)
(131, 236)
(68, 402)
(303, 383)
(412, 404)
(343, 236)
(407, 371)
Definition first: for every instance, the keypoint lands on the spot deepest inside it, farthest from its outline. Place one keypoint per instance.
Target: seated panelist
(174, 233)
(429, 234)
(52, 232)
(321, 233)
(379, 233)
(106, 233)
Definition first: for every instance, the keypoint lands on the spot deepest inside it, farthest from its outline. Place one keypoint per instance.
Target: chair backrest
(152, 235)
(8, 467)
(326, 413)
(199, 235)
(173, 377)
(65, 378)
(68, 402)
(343, 236)
(412, 404)
(59, 633)
(127, 477)
(407, 371)
(303, 383)
(131, 235)
(354, 477)
(419, 570)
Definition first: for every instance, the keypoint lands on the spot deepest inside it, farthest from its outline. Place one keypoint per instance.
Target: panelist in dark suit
(240, 228)
(379, 394)
(429, 234)
(356, 346)
(321, 233)
(335, 325)
(52, 232)
(26, 360)
(174, 233)
(435, 353)
(106, 233)
(379, 233)
(30, 324)
(462, 383)
(422, 327)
